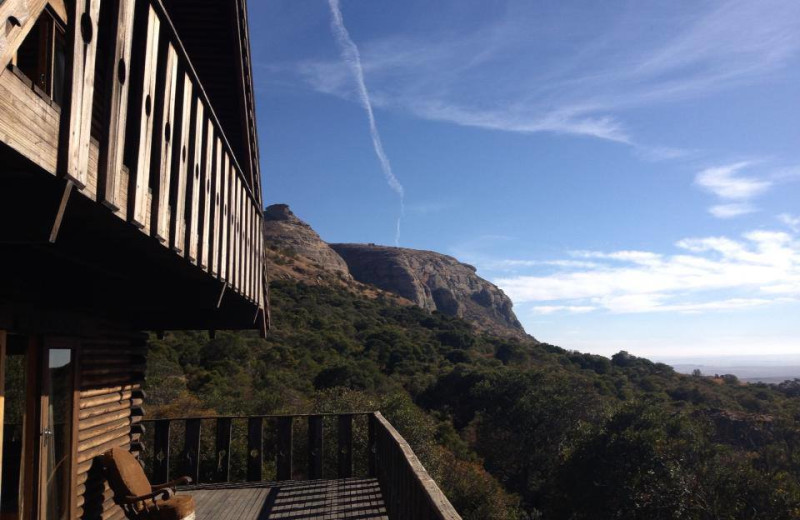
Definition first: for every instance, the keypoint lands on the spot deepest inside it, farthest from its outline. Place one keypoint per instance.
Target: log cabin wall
(109, 409)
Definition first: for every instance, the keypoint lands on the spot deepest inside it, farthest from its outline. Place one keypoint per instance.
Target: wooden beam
(191, 449)
(197, 182)
(178, 231)
(161, 451)
(163, 137)
(140, 175)
(17, 18)
(345, 445)
(112, 148)
(62, 208)
(82, 39)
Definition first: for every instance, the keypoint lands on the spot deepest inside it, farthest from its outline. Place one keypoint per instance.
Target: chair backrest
(124, 473)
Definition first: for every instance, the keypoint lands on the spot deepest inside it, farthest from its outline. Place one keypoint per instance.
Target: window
(42, 56)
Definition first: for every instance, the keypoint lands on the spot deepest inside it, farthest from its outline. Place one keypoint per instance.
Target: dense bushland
(509, 428)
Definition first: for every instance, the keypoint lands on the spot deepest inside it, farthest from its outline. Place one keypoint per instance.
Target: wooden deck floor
(353, 498)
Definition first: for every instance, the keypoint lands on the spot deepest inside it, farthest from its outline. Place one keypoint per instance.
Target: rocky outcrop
(292, 237)
(434, 282)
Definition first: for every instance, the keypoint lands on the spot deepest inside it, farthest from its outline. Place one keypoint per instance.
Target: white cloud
(705, 274)
(724, 182)
(571, 309)
(731, 210)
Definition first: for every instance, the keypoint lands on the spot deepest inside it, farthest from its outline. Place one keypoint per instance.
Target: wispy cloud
(736, 190)
(603, 63)
(705, 274)
(352, 57)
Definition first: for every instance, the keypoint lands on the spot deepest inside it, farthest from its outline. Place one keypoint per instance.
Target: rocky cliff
(434, 282)
(293, 237)
(430, 280)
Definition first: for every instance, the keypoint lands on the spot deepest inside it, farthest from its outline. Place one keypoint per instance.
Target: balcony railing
(138, 133)
(276, 448)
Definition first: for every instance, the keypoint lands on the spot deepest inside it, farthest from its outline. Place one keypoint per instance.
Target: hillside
(510, 428)
(432, 281)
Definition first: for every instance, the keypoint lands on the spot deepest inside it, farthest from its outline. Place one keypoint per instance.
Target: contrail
(352, 57)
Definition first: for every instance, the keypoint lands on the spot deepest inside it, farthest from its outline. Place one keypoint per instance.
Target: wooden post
(178, 231)
(163, 138)
(216, 218)
(140, 176)
(197, 182)
(345, 445)
(255, 449)
(372, 446)
(223, 473)
(191, 449)
(315, 452)
(224, 223)
(208, 167)
(112, 148)
(285, 448)
(161, 451)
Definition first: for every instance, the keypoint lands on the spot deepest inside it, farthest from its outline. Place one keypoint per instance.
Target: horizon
(628, 176)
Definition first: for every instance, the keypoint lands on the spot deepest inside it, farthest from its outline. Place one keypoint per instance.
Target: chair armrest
(162, 494)
(182, 481)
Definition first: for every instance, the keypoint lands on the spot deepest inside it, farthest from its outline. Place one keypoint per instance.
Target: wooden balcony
(283, 466)
(137, 138)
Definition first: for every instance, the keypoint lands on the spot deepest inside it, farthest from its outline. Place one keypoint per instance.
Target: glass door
(55, 445)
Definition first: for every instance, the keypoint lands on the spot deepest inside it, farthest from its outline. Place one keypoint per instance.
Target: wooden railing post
(345, 446)
(315, 447)
(372, 446)
(161, 451)
(191, 449)
(255, 449)
(223, 471)
(285, 447)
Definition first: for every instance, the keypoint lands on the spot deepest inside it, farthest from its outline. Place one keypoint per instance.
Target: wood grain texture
(17, 18)
(163, 136)
(197, 187)
(113, 146)
(140, 176)
(178, 231)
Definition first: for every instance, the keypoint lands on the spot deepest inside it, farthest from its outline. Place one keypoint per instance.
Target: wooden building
(130, 201)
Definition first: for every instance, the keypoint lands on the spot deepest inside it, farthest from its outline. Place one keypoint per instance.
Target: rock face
(292, 236)
(434, 282)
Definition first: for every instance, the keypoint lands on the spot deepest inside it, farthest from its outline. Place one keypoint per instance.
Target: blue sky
(628, 172)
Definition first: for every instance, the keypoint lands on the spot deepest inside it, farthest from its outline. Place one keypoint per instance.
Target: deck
(351, 498)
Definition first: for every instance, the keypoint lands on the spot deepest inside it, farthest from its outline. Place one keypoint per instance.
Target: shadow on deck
(351, 498)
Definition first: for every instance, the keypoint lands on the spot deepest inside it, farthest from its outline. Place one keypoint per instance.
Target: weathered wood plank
(216, 218)
(17, 18)
(112, 147)
(197, 186)
(82, 36)
(164, 134)
(178, 231)
(140, 176)
(208, 168)
(224, 218)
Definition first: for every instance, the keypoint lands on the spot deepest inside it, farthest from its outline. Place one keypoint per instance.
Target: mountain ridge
(427, 279)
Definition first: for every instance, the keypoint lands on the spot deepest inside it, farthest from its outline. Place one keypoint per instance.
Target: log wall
(108, 412)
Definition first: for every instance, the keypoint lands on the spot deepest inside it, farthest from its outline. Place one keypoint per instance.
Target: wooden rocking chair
(139, 499)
